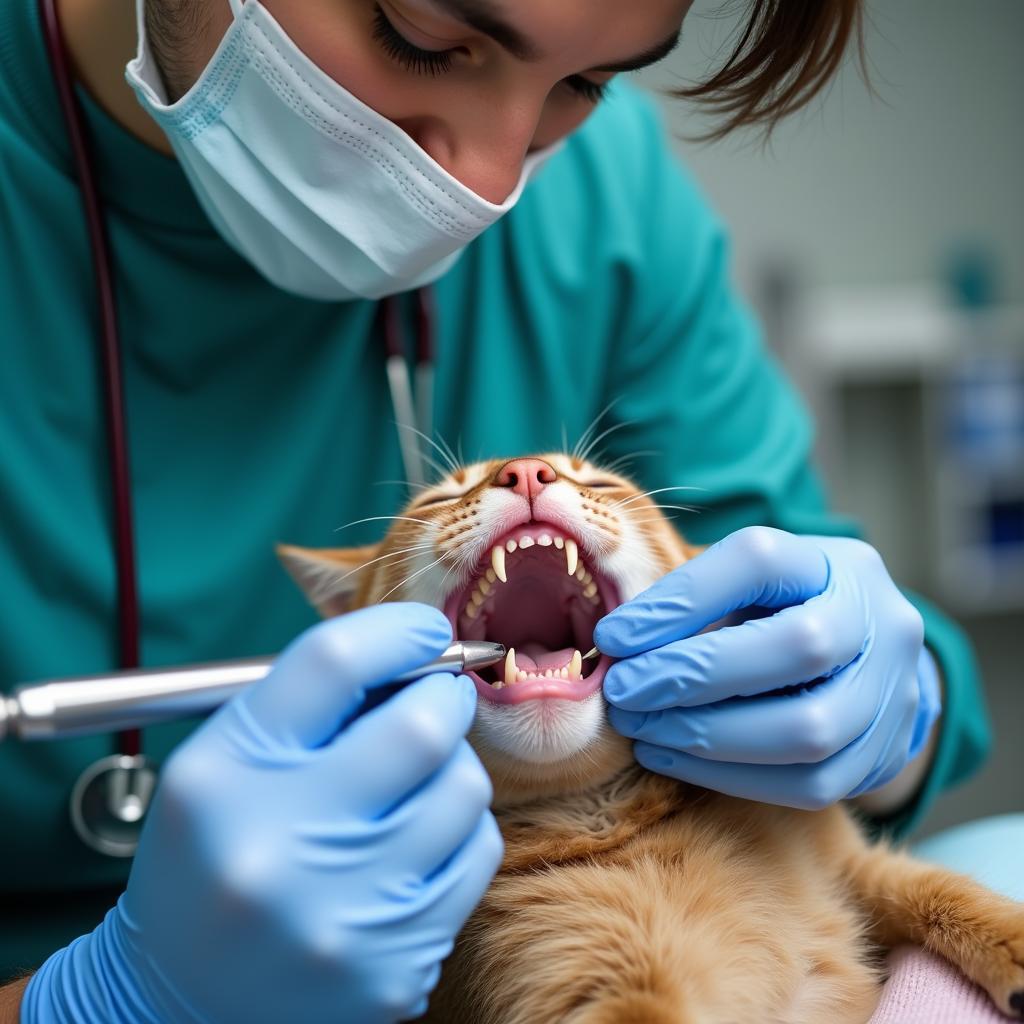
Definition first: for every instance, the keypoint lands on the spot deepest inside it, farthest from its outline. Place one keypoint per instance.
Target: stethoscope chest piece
(110, 800)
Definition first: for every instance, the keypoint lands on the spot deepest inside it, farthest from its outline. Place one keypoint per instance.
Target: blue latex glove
(290, 871)
(840, 620)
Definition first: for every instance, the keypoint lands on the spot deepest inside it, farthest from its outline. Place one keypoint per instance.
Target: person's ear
(329, 577)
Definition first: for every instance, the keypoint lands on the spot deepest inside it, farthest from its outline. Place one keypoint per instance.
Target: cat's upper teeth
(498, 562)
(498, 571)
(572, 554)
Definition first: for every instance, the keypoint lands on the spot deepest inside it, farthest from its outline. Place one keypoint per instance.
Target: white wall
(864, 189)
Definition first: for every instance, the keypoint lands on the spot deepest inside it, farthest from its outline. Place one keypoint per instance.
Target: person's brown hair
(784, 55)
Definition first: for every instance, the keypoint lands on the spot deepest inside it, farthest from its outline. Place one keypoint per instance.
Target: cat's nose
(527, 477)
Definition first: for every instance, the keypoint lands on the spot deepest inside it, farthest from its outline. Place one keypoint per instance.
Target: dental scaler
(129, 700)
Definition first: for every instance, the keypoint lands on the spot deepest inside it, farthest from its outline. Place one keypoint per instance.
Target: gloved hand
(289, 871)
(840, 621)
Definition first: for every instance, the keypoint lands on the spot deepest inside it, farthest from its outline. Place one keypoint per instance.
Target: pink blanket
(925, 989)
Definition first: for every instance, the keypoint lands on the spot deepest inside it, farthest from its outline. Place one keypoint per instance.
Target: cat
(625, 897)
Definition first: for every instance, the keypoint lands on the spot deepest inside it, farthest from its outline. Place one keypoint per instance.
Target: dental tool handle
(125, 700)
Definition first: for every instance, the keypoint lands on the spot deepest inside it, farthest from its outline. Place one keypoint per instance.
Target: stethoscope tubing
(414, 416)
(109, 800)
(129, 742)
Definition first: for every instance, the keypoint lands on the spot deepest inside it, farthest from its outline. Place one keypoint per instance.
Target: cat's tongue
(537, 658)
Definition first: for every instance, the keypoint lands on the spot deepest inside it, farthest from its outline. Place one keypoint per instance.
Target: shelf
(880, 367)
(893, 333)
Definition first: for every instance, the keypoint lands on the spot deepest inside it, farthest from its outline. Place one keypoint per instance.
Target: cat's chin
(547, 747)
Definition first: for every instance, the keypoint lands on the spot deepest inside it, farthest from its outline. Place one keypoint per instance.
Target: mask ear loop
(236, 8)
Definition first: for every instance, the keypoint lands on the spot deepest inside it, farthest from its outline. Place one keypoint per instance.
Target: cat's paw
(999, 964)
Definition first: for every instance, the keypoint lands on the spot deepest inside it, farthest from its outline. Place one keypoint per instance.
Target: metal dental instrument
(592, 653)
(123, 700)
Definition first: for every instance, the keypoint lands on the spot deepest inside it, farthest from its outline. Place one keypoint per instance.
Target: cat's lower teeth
(513, 674)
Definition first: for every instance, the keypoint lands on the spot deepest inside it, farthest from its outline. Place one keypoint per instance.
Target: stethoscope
(109, 800)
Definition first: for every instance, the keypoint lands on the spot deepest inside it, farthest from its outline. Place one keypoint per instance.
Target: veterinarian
(266, 174)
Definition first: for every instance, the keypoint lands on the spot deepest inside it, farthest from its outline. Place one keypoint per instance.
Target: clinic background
(881, 239)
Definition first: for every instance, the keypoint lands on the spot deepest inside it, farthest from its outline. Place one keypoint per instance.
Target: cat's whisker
(374, 519)
(416, 548)
(616, 465)
(645, 508)
(585, 436)
(642, 522)
(451, 455)
(439, 468)
(649, 494)
(451, 466)
(409, 579)
(460, 562)
(592, 446)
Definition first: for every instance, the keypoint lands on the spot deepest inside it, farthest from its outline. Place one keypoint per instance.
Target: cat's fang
(572, 554)
(511, 672)
(498, 562)
(576, 665)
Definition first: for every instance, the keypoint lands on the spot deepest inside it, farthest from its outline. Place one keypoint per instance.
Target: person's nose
(527, 477)
(488, 160)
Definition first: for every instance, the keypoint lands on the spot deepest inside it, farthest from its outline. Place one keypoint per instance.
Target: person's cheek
(201, 35)
(561, 117)
(338, 38)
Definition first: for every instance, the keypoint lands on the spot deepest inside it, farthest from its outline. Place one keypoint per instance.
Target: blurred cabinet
(920, 411)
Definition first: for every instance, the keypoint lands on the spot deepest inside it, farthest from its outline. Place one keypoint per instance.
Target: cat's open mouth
(534, 593)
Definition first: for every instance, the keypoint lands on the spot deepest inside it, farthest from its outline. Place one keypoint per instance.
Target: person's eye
(592, 92)
(399, 49)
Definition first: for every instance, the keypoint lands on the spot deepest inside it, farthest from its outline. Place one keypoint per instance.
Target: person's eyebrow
(482, 16)
(642, 60)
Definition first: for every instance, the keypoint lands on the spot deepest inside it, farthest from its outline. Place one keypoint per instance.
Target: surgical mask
(324, 196)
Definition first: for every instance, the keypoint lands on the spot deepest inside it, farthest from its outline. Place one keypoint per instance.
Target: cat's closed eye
(436, 499)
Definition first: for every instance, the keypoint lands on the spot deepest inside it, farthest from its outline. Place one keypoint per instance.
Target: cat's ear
(328, 577)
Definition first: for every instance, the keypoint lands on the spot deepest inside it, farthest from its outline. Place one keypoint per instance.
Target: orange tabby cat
(625, 896)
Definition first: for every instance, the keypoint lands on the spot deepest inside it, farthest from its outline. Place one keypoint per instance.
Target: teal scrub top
(256, 416)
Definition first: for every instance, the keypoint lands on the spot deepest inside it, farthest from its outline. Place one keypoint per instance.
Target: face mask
(324, 196)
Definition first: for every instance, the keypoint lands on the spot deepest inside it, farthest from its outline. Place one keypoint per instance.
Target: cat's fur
(625, 897)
